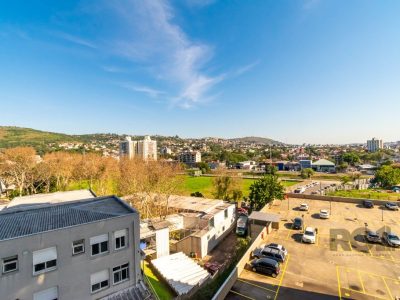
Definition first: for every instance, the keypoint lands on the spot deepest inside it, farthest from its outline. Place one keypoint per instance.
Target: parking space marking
(256, 285)
(283, 275)
(362, 283)
(387, 288)
(261, 275)
(372, 276)
(241, 295)
(338, 280)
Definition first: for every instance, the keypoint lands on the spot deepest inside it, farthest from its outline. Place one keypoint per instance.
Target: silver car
(391, 239)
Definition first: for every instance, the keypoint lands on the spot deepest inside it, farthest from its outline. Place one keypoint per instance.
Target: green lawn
(204, 185)
(162, 290)
(367, 194)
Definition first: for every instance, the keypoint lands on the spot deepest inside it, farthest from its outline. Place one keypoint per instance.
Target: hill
(257, 140)
(11, 136)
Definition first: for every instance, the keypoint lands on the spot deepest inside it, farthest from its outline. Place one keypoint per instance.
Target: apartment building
(189, 157)
(374, 145)
(145, 149)
(85, 249)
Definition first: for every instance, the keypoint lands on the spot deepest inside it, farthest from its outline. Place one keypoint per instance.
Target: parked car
(391, 239)
(303, 207)
(368, 204)
(314, 193)
(266, 266)
(391, 206)
(372, 237)
(271, 253)
(324, 214)
(278, 247)
(297, 223)
(309, 235)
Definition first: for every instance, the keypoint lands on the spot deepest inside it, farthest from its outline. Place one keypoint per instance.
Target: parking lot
(340, 265)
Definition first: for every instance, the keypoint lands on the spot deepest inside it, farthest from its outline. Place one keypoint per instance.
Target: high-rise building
(374, 145)
(127, 148)
(145, 149)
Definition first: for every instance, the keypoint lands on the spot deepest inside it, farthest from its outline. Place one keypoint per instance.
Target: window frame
(100, 245)
(100, 283)
(49, 265)
(15, 260)
(124, 238)
(78, 243)
(120, 269)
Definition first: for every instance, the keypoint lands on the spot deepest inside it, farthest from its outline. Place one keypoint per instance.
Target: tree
(307, 173)
(227, 187)
(272, 170)
(204, 167)
(387, 176)
(16, 165)
(351, 158)
(265, 190)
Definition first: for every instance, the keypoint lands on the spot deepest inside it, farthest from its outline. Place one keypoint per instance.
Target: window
(44, 260)
(120, 238)
(78, 247)
(226, 214)
(120, 273)
(49, 294)
(99, 244)
(10, 264)
(211, 222)
(99, 281)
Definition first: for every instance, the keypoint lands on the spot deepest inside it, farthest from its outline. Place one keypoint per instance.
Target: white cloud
(151, 37)
(245, 69)
(74, 39)
(142, 89)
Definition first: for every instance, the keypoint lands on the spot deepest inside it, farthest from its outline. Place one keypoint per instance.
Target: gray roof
(19, 222)
(267, 217)
(51, 198)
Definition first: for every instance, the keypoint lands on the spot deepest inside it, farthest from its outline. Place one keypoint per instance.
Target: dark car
(391, 206)
(368, 204)
(271, 253)
(372, 237)
(297, 223)
(266, 266)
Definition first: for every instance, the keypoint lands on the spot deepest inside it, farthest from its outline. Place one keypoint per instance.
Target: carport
(262, 222)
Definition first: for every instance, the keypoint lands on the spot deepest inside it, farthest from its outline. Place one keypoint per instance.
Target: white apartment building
(145, 149)
(190, 157)
(374, 145)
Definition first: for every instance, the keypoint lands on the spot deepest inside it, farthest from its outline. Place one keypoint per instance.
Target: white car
(324, 214)
(303, 207)
(278, 247)
(309, 235)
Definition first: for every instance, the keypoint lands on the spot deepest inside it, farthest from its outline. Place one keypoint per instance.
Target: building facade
(145, 149)
(374, 145)
(189, 157)
(86, 249)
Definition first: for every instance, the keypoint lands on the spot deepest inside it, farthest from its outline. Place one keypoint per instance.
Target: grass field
(204, 185)
(162, 290)
(367, 194)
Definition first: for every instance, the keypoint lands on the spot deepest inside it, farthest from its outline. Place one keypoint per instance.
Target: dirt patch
(224, 252)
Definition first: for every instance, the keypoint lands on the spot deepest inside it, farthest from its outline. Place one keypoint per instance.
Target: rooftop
(51, 198)
(323, 162)
(266, 217)
(194, 203)
(19, 222)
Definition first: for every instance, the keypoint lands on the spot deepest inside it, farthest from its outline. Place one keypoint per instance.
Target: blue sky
(297, 71)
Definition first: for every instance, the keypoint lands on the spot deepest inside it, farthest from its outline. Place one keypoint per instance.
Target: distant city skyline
(305, 71)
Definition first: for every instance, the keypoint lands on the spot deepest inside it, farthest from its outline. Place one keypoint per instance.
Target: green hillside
(18, 136)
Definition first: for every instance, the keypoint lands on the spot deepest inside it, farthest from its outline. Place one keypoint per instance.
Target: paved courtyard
(340, 265)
